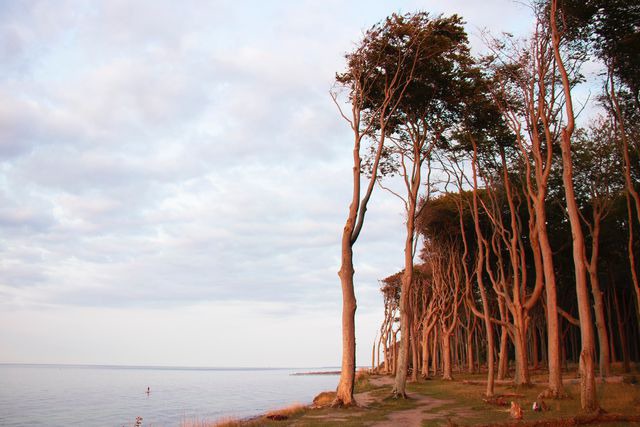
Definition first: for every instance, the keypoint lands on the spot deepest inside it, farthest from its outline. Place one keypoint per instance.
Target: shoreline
(316, 373)
(438, 401)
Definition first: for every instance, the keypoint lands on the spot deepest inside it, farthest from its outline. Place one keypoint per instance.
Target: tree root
(396, 395)
(339, 403)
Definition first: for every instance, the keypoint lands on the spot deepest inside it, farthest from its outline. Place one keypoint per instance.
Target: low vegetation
(438, 402)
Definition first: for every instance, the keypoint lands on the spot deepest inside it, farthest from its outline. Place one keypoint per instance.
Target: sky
(174, 179)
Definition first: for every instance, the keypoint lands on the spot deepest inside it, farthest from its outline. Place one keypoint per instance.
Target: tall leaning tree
(378, 73)
(421, 121)
(527, 92)
(588, 396)
(610, 29)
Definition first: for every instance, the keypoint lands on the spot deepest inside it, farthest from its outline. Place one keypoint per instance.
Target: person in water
(148, 390)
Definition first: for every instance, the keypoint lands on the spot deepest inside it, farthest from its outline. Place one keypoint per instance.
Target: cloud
(161, 156)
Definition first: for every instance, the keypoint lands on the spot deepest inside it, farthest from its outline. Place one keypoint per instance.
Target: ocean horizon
(115, 395)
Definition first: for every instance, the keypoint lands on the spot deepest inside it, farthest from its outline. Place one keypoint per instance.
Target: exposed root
(339, 403)
(395, 394)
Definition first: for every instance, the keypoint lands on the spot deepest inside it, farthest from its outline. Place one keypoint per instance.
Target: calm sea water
(60, 395)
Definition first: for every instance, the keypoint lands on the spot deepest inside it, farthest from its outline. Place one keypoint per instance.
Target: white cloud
(171, 165)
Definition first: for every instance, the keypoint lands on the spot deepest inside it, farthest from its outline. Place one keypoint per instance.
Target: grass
(226, 422)
(457, 403)
(466, 406)
(287, 412)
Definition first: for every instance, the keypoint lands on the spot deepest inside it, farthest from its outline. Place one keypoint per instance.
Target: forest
(522, 245)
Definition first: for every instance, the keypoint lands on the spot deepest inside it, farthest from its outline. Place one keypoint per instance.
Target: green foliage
(612, 29)
(432, 55)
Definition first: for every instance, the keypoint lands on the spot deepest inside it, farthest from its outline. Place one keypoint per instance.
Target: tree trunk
(612, 340)
(534, 351)
(543, 350)
(553, 336)
(344, 392)
(503, 356)
(434, 353)
(601, 324)
(425, 353)
(520, 345)
(395, 352)
(373, 355)
(624, 345)
(470, 361)
(414, 357)
(446, 356)
(480, 280)
(588, 398)
(399, 388)
(477, 339)
(632, 259)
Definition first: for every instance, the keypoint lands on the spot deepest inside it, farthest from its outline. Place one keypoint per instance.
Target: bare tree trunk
(632, 259)
(414, 358)
(395, 352)
(520, 345)
(601, 324)
(543, 349)
(373, 355)
(470, 361)
(413, 181)
(454, 351)
(344, 392)
(477, 346)
(623, 334)
(399, 388)
(631, 192)
(534, 351)
(386, 355)
(480, 280)
(425, 353)
(612, 347)
(553, 336)
(446, 356)
(434, 353)
(588, 398)
(502, 356)
(378, 363)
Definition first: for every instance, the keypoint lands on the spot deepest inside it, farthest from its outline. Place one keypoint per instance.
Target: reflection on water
(59, 395)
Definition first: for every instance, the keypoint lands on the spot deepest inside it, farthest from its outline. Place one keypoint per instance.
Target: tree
(526, 91)
(421, 120)
(377, 76)
(610, 29)
(598, 181)
(588, 396)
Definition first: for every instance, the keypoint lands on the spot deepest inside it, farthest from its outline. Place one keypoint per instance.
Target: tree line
(522, 239)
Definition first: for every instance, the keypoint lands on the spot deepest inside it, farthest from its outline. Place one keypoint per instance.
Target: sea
(103, 396)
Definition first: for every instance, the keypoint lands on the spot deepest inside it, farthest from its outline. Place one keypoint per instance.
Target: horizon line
(163, 367)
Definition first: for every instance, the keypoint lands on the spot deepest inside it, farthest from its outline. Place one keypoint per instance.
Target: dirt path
(408, 417)
(414, 417)
(381, 380)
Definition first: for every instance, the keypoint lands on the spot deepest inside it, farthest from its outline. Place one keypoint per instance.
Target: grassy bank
(460, 402)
